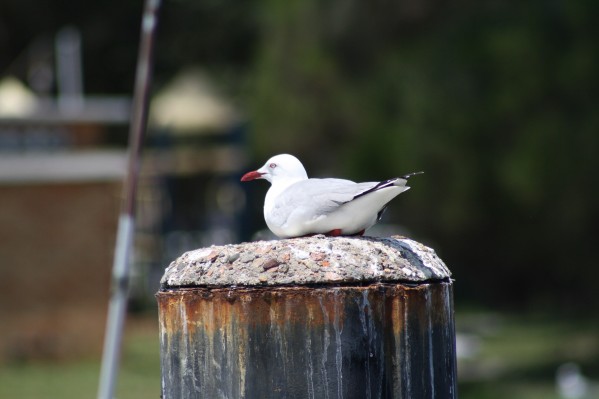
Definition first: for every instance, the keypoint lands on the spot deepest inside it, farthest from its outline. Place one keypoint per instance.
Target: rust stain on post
(366, 338)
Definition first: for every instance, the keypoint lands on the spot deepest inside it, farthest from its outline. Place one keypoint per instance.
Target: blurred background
(495, 100)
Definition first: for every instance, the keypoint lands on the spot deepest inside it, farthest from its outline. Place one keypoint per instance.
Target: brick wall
(56, 244)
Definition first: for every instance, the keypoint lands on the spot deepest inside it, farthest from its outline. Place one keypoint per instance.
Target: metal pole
(68, 70)
(120, 270)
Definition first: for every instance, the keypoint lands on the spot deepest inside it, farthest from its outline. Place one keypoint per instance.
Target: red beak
(251, 175)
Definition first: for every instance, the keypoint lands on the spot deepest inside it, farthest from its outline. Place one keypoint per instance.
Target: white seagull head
(279, 167)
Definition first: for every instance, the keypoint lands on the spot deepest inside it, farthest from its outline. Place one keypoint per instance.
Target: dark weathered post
(314, 317)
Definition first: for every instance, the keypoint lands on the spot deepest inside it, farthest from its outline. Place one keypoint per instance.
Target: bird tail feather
(411, 174)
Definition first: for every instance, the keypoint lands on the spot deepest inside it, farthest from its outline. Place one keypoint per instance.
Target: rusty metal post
(315, 317)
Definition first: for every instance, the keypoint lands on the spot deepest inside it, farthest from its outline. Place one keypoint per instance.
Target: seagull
(297, 206)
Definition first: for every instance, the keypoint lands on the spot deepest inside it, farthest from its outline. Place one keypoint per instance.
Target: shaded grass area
(515, 357)
(139, 376)
(518, 355)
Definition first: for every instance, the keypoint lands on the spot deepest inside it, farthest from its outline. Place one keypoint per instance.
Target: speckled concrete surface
(305, 261)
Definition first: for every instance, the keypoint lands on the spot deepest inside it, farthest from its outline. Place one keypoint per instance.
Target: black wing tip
(388, 183)
(412, 174)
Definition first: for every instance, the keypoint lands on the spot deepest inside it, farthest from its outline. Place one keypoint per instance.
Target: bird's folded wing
(317, 197)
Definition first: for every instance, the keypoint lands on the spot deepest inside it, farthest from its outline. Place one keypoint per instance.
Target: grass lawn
(519, 354)
(516, 357)
(139, 376)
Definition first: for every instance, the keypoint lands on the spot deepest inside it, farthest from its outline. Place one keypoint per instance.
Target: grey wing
(317, 197)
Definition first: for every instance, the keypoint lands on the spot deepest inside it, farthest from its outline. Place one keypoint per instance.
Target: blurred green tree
(495, 101)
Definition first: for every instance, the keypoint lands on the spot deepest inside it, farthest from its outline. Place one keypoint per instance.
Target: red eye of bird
(272, 165)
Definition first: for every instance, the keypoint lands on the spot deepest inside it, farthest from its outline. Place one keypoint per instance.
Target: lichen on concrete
(305, 261)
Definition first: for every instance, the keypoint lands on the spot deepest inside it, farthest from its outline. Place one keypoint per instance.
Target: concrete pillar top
(316, 260)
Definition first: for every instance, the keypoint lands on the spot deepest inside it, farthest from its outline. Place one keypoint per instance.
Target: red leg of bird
(334, 233)
(360, 233)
